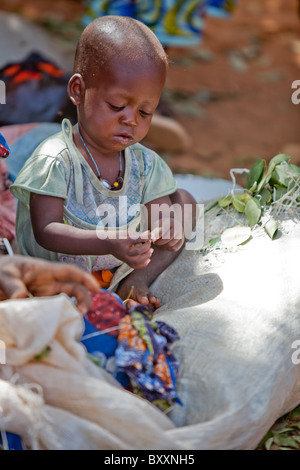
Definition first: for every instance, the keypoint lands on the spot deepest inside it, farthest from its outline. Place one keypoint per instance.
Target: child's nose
(129, 119)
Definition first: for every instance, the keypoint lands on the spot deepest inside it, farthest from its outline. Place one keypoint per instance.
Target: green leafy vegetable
(284, 434)
(43, 354)
(235, 236)
(266, 185)
(271, 227)
(253, 211)
(214, 241)
(255, 174)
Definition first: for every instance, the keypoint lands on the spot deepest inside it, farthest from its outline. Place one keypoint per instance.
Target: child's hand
(168, 233)
(132, 250)
(23, 275)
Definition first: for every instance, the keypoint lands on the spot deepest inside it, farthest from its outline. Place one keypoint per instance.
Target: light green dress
(58, 169)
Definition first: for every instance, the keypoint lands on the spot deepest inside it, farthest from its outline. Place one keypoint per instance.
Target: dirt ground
(232, 93)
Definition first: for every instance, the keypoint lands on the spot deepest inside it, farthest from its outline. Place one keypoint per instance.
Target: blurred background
(231, 93)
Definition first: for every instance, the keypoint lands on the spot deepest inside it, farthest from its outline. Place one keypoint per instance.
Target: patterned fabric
(133, 347)
(106, 312)
(4, 149)
(143, 354)
(10, 441)
(221, 7)
(7, 205)
(175, 22)
(7, 202)
(100, 336)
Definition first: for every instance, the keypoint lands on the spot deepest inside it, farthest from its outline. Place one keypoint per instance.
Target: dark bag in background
(36, 91)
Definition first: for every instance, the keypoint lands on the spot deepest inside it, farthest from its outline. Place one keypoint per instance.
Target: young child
(82, 192)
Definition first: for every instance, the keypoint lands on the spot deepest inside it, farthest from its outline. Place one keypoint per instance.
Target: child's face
(118, 111)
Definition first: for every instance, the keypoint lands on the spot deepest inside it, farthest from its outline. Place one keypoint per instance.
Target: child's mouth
(123, 139)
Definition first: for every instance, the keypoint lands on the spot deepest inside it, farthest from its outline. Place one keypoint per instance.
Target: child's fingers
(171, 232)
(175, 245)
(156, 234)
(154, 302)
(71, 274)
(82, 296)
(140, 237)
(140, 249)
(14, 288)
(149, 300)
(138, 263)
(142, 259)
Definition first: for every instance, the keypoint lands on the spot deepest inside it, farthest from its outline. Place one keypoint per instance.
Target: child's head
(119, 71)
(112, 39)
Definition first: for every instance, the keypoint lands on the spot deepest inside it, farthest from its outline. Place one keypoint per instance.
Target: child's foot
(137, 293)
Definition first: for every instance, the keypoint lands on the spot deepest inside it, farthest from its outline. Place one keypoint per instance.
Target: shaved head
(111, 40)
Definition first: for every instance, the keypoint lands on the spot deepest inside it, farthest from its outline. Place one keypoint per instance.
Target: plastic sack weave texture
(237, 312)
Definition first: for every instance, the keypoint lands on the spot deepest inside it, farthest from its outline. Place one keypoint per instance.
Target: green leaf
(269, 443)
(95, 360)
(268, 435)
(295, 169)
(281, 157)
(43, 354)
(295, 413)
(266, 197)
(238, 205)
(240, 200)
(225, 201)
(235, 236)
(253, 211)
(271, 227)
(253, 187)
(281, 427)
(214, 241)
(255, 174)
(285, 441)
(280, 176)
(212, 206)
(272, 164)
(279, 193)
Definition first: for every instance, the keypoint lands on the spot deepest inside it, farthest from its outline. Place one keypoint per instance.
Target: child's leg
(139, 280)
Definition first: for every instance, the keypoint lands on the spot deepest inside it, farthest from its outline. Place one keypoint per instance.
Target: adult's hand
(21, 276)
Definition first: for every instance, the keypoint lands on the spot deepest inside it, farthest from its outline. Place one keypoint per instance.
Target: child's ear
(76, 88)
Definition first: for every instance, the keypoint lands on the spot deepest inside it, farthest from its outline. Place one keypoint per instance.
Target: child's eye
(143, 113)
(115, 108)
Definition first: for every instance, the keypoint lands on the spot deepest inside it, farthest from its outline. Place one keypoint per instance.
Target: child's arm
(166, 246)
(52, 234)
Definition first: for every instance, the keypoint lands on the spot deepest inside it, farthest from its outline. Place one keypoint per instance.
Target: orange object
(25, 75)
(11, 70)
(103, 277)
(50, 69)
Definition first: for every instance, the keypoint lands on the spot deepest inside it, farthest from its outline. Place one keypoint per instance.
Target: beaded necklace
(106, 184)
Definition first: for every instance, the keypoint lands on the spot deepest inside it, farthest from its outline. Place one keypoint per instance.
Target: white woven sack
(237, 312)
(63, 401)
